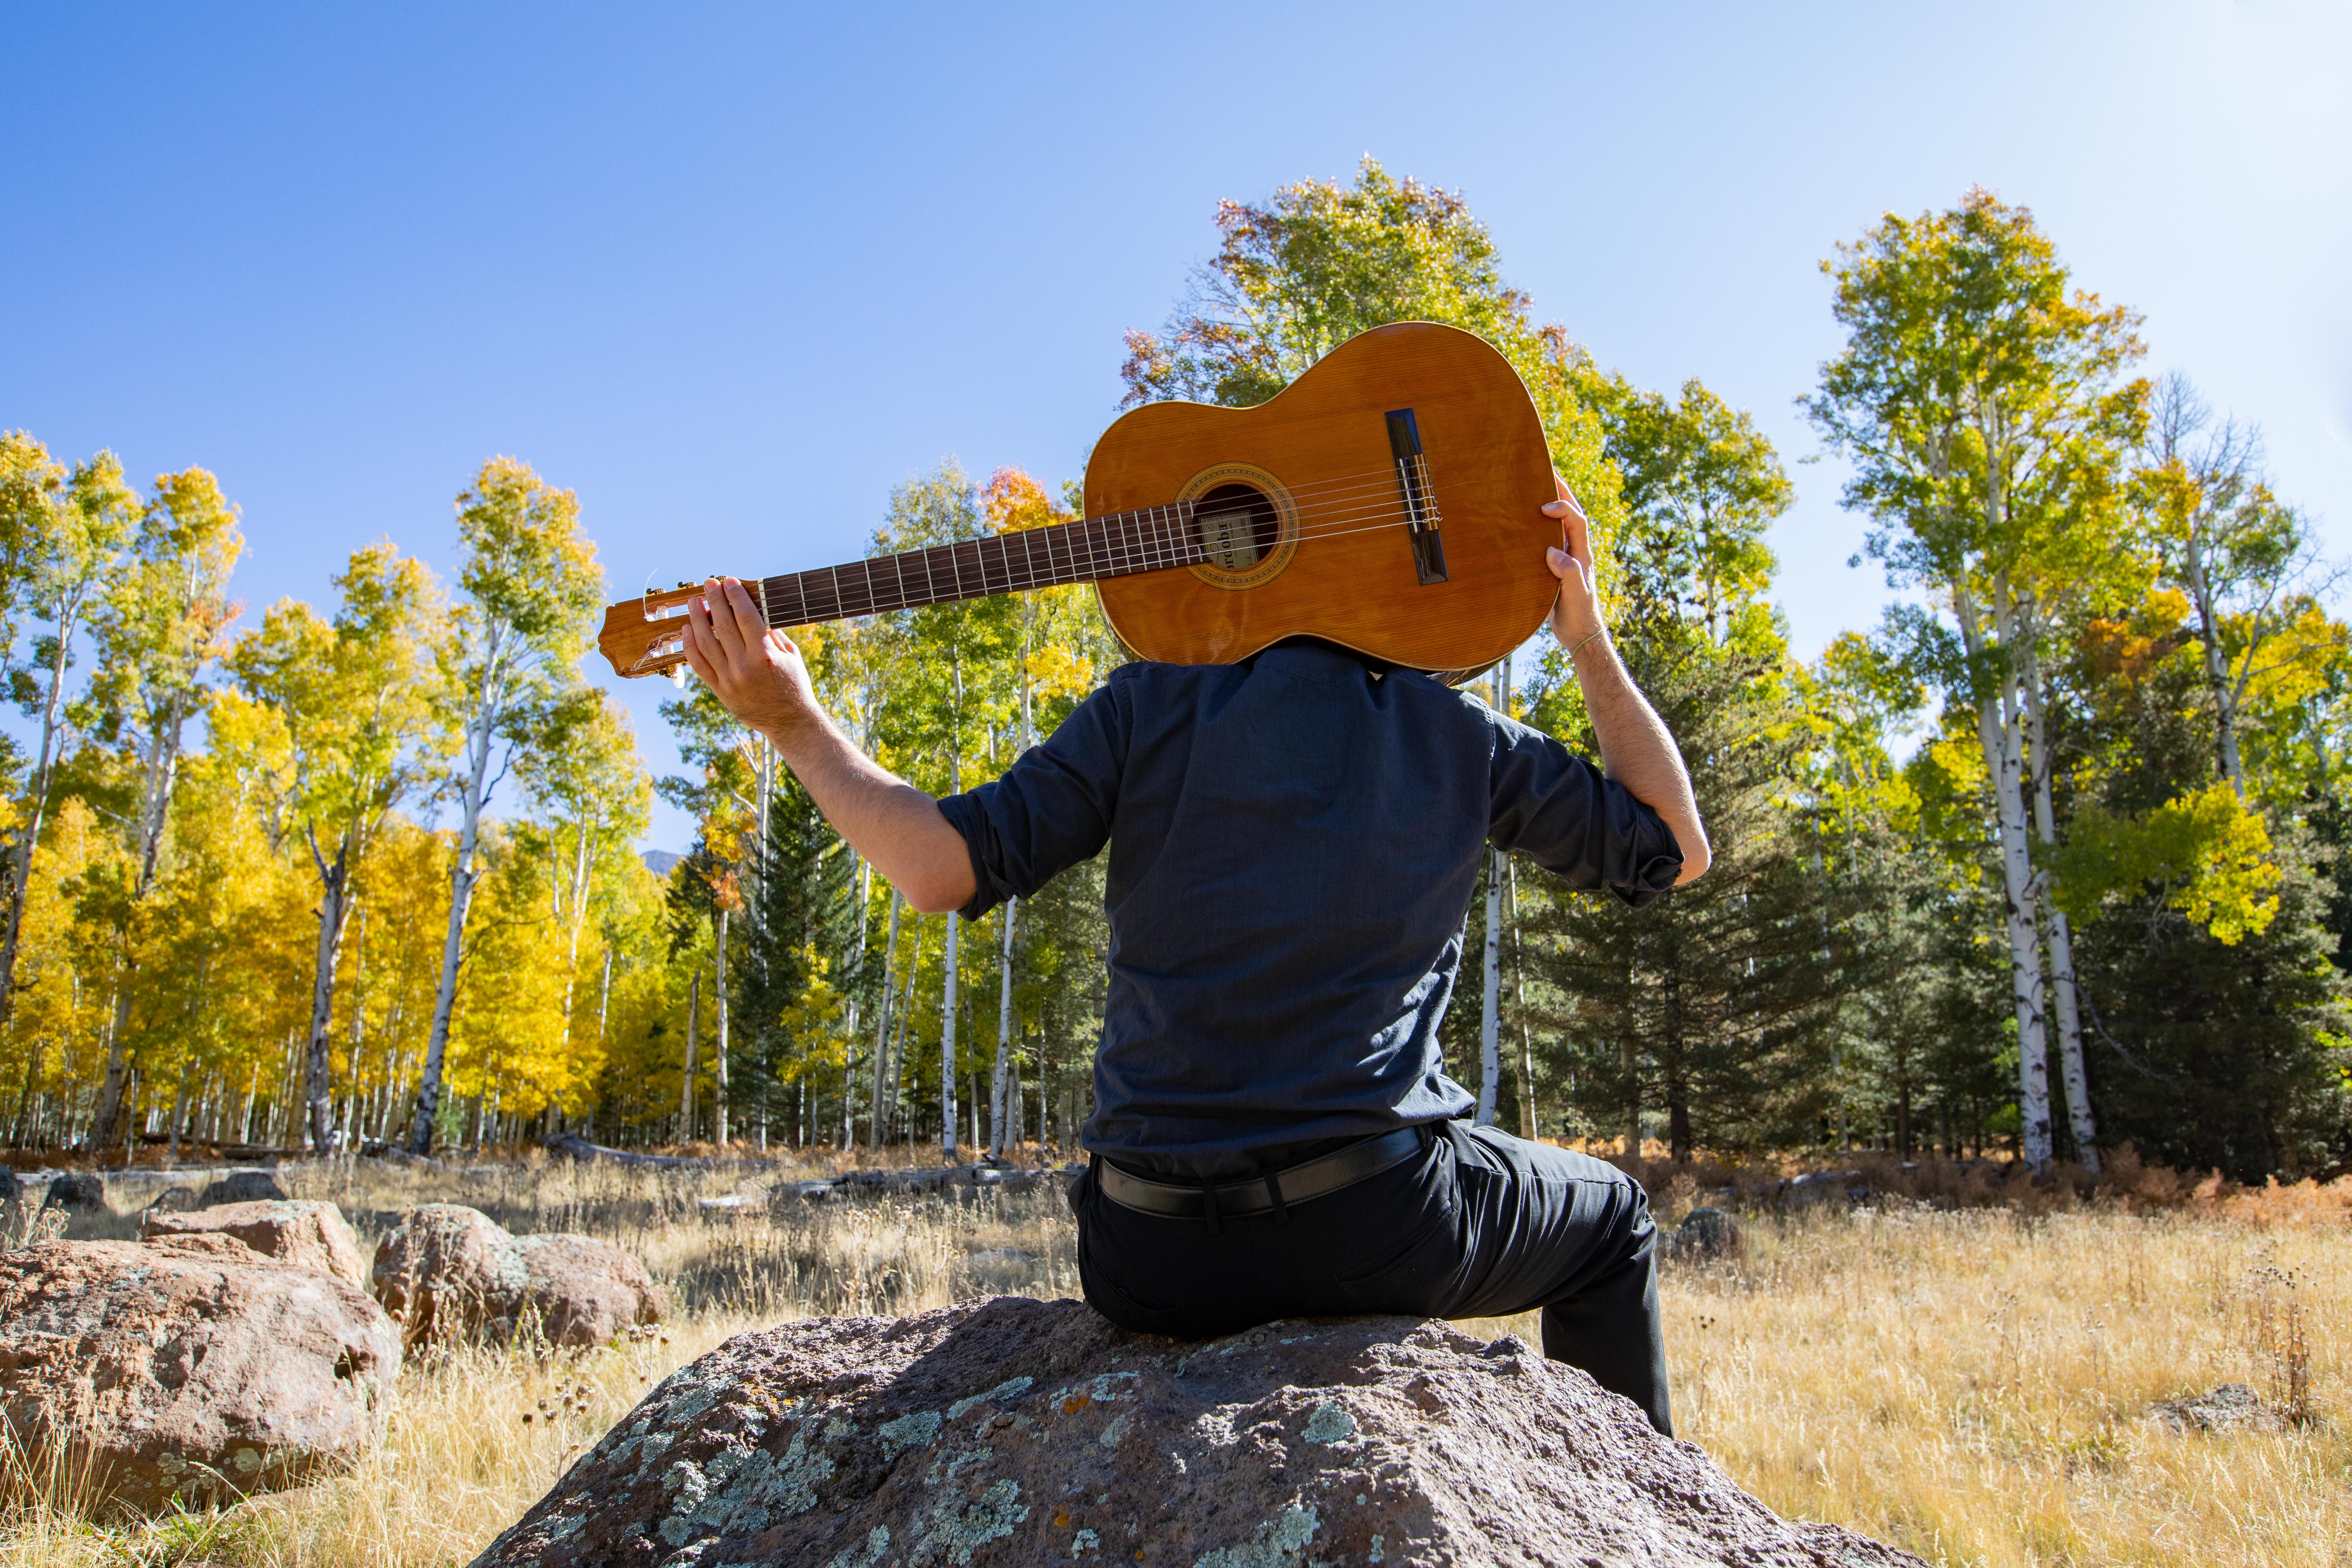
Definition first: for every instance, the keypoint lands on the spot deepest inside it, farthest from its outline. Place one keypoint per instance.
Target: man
(1293, 840)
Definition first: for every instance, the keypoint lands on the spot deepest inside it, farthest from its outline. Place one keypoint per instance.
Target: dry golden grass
(1970, 1384)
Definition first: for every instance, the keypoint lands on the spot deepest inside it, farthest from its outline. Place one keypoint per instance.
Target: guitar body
(1331, 554)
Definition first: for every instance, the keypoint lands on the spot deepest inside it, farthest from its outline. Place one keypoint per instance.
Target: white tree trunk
(318, 1075)
(948, 995)
(1490, 1021)
(996, 1102)
(1999, 740)
(947, 1047)
(882, 1026)
(480, 736)
(719, 1005)
(2080, 1120)
(686, 1080)
(1998, 726)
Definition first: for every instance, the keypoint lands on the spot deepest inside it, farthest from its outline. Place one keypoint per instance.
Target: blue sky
(732, 272)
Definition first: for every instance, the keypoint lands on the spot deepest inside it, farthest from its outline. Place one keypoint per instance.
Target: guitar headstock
(646, 635)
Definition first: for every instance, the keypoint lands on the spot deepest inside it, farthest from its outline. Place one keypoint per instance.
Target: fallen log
(579, 1148)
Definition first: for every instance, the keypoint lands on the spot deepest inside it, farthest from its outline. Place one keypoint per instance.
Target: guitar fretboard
(1114, 546)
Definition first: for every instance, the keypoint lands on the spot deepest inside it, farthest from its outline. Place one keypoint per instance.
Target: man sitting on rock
(1293, 840)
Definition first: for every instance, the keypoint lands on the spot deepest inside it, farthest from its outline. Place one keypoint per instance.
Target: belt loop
(1208, 1205)
(1274, 1191)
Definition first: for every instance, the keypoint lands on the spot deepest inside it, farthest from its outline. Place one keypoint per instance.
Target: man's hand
(756, 673)
(1575, 613)
(759, 676)
(1635, 749)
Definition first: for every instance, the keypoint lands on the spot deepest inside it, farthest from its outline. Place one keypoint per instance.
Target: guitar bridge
(1420, 498)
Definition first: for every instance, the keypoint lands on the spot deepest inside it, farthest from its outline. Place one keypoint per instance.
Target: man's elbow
(941, 891)
(1696, 857)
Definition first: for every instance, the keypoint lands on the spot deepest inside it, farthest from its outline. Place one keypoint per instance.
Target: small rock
(80, 1190)
(2232, 1407)
(1705, 1236)
(193, 1369)
(802, 1192)
(1014, 1431)
(308, 1235)
(450, 1274)
(242, 1187)
(173, 1200)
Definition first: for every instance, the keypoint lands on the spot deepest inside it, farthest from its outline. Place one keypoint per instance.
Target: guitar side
(1351, 577)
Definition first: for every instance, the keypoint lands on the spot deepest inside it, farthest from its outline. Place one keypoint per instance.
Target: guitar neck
(1085, 551)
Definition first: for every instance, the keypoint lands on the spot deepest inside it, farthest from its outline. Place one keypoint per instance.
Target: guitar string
(659, 648)
(1117, 544)
(1126, 538)
(669, 649)
(842, 610)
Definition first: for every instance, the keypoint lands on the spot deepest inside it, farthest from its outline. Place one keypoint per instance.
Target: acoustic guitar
(1390, 500)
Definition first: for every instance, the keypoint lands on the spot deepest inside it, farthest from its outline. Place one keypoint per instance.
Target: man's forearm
(890, 821)
(1637, 752)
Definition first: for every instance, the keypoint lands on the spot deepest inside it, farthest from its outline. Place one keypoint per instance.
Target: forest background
(2050, 861)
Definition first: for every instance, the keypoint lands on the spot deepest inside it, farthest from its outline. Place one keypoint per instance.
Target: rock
(2232, 1407)
(1704, 1235)
(450, 1274)
(172, 1200)
(802, 1192)
(305, 1234)
(195, 1368)
(1823, 1185)
(84, 1190)
(242, 1187)
(1012, 1431)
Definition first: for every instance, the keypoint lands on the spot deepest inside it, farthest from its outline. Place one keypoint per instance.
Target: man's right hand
(757, 673)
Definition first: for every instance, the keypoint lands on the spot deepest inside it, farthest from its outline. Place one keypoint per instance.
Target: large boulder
(195, 1368)
(1014, 1431)
(450, 1274)
(84, 1191)
(306, 1234)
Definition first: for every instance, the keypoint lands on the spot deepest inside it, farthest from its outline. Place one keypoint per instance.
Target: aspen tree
(1979, 400)
(62, 533)
(333, 725)
(159, 629)
(531, 589)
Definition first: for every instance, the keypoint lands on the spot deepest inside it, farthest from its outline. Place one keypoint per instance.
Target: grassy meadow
(1972, 1384)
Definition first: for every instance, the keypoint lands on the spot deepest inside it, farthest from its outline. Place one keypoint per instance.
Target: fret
(800, 588)
(839, 608)
(871, 598)
(898, 569)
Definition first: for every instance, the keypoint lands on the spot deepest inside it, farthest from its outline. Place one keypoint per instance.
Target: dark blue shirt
(1293, 842)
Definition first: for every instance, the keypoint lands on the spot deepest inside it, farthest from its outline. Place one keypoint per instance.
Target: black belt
(1275, 1191)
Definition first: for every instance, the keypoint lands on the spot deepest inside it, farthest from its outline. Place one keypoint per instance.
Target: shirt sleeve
(1052, 808)
(1556, 809)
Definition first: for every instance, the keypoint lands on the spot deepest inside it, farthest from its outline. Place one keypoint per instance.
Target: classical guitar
(1388, 499)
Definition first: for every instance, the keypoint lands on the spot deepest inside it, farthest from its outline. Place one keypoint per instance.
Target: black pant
(1480, 1224)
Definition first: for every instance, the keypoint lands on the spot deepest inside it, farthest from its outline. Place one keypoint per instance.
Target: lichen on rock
(1014, 1431)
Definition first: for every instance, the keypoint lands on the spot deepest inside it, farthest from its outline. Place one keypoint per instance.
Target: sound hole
(1238, 526)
